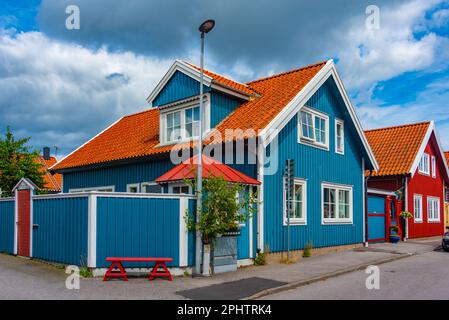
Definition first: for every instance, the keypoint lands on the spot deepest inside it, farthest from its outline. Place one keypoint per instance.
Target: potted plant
(406, 215)
(394, 236)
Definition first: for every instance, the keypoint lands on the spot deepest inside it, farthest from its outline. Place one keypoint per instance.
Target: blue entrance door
(376, 219)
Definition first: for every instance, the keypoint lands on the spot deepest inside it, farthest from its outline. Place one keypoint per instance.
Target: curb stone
(300, 283)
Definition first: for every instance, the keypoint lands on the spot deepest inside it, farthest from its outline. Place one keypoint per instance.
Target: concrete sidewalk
(27, 279)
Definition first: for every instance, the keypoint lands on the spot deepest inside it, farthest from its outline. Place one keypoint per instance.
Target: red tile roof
(211, 167)
(52, 182)
(137, 135)
(396, 148)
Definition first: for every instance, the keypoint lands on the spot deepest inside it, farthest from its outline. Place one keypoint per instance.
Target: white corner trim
(303, 96)
(183, 67)
(183, 233)
(260, 205)
(364, 196)
(16, 220)
(92, 232)
(81, 146)
(31, 222)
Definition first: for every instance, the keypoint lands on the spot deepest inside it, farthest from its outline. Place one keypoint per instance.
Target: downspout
(365, 204)
(406, 205)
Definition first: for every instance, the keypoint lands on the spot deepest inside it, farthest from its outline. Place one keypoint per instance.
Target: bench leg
(154, 273)
(110, 273)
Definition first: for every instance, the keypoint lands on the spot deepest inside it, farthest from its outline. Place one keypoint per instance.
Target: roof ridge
(287, 72)
(400, 126)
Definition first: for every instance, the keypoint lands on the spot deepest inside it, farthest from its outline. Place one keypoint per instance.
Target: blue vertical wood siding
(7, 208)
(221, 106)
(137, 227)
(316, 166)
(118, 176)
(179, 87)
(60, 232)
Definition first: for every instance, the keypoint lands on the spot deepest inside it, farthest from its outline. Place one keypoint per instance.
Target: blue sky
(62, 86)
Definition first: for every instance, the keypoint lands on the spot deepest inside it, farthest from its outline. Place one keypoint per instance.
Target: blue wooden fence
(60, 229)
(7, 225)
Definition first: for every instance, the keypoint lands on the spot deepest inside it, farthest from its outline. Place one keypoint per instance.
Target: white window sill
(434, 221)
(311, 143)
(331, 222)
(295, 222)
(418, 221)
(424, 173)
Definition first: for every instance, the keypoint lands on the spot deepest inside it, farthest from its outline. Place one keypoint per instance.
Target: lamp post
(204, 28)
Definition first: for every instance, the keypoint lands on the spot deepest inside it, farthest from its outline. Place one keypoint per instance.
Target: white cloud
(368, 56)
(61, 93)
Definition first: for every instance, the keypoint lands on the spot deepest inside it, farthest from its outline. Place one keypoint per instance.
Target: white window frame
(434, 167)
(152, 183)
(430, 207)
(421, 167)
(337, 188)
(99, 189)
(295, 221)
(342, 125)
(420, 198)
(312, 142)
(133, 185)
(182, 107)
(174, 185)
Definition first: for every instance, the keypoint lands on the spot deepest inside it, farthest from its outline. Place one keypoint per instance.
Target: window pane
(152, 188)
(189, 130)
(189, 115)
(297, 213)
(177, 119)
(329, 203)
(307, 125)
(196, 113)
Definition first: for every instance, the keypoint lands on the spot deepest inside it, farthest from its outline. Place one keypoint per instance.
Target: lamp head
(207, 26)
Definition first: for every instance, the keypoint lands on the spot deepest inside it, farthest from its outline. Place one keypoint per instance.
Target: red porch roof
(211, 167)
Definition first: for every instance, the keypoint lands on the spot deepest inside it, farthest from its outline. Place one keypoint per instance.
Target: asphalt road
(424, 276)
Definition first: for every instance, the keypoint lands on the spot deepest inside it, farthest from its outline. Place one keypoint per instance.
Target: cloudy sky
(63, 86)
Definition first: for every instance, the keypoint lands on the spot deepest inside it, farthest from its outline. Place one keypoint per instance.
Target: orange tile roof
(137, 135)
(396, 148)
(226, 81)
(52, 182)
(446, 155)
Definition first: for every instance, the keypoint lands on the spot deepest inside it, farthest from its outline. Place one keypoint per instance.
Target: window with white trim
(313, 128)
(434, 167)
(299, 202)
(433, 209)
(192, 122)
(424, 164)
(99, 189)
(417, 207)
(133, 188)
(339, 137)
(150, 187)
(173, 126)
(336, 203)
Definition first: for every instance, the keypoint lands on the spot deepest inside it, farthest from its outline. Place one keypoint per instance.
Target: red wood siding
(427, 187)
(23, 232)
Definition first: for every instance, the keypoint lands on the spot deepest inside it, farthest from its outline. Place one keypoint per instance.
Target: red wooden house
(413, 168)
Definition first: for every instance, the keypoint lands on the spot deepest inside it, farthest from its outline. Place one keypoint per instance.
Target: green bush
(260, 259)
(307, 250)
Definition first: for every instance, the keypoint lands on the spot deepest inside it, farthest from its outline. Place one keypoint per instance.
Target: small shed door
(23, 223)
(376, 219)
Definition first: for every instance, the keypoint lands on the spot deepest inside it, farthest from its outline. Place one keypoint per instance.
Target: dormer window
(180, 121)
(192, 122)
(173, 126)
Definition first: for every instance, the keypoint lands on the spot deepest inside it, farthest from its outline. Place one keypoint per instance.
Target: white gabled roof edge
(422, 148)
(183, 67)
(28, 182)
(293, 107)
(107, 128)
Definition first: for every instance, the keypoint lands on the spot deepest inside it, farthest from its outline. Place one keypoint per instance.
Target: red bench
(121, 273)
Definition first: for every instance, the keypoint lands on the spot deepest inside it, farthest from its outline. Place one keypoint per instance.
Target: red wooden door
(23, 225)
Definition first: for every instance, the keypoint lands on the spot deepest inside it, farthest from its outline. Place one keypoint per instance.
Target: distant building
(53, 182)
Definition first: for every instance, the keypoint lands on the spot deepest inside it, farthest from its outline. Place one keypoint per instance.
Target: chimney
(46, 153)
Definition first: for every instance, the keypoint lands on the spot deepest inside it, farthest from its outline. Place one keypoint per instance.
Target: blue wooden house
(303, 114)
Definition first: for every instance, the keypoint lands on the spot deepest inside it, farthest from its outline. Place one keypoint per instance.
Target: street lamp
(204, 28)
